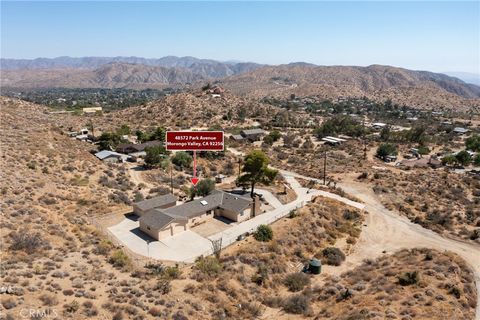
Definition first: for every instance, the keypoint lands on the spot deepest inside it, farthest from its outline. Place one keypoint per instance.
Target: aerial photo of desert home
(240, 160)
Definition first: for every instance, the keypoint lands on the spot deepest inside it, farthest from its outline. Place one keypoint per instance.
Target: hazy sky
(436, 36)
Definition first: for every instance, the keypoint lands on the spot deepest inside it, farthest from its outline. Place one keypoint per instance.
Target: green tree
(473, 143)
(423, 150)
(256, 170)
(109, 140)
(264, 233)
(204, 187)
(386, 149)
(449, 159)
(155, 155)
(463, 157)
(124, 130)
(158, 134)
(182, 159)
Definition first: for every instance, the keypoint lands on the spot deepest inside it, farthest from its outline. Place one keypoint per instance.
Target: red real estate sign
(195, 140)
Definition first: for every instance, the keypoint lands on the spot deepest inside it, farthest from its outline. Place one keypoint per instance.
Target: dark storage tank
(315, 266)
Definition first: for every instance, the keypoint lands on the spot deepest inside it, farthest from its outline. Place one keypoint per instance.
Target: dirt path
(386, 231)
(390, 232)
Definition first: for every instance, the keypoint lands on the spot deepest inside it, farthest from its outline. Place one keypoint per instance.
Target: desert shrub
(118, 315)
(261, 276)
(296, 281)
(103, 247)
(409, 278)
(119, 259)
(171, 272)
(9, 303)
(27, 241)
(362, 176)
(163, 286)
(209, 266)
(292, 214)
(297, 304)
(350, 215)
(264, 233)
(71, 307)
(332, 256)
(48, 300)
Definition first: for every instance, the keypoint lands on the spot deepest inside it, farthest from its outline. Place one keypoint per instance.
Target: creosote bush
(296, 281)
(332, 256)
(264, 233)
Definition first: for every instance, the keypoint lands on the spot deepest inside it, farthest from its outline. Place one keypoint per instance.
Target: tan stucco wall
(152, 232)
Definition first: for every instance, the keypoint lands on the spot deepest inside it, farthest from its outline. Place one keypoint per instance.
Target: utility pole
(171, 177)
(364, 141)
(239, 167)
(325, 167)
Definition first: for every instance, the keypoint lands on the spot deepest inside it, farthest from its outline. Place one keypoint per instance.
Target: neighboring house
(237, 137)
(129, 148)
(111, 156)
(460, 130)
(252, 134)
(162, 223)
(162, 202)
(92, 109)
(333, 140)
(378, 125)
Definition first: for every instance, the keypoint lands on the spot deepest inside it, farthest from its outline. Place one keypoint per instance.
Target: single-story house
(162, 223)
(460, 130)
(237, 137)
(134, 148)
(111, 156)
(92, 109)
(252, 134)
(378, 125)
(333, 140)
(161, 202)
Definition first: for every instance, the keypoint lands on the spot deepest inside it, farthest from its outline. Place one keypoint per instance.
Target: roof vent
(203, 202)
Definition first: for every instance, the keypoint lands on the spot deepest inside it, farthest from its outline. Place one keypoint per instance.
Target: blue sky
(436, 36)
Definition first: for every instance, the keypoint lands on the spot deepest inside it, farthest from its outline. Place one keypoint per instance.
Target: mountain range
(379, 82)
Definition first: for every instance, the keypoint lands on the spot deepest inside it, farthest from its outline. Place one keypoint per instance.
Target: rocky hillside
(201, 68)
(194, 109)
(417, 88)
(114, 75)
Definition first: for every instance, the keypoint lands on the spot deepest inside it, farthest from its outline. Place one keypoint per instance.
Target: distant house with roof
(111, 156)
(160, 223)
(460, 130)
(249, 134)
(253, 134)
(129, 148)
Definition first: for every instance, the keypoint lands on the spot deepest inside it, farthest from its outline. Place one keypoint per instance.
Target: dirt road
(386, 231)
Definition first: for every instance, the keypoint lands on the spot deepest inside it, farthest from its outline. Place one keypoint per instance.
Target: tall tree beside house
(256, 170)
(109, 141)
(203, 188)
(182, 159)
(155, 155)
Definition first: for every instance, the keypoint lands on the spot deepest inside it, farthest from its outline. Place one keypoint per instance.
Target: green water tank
(315, 266)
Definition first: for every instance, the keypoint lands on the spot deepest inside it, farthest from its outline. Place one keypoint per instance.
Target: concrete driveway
(184, 247)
